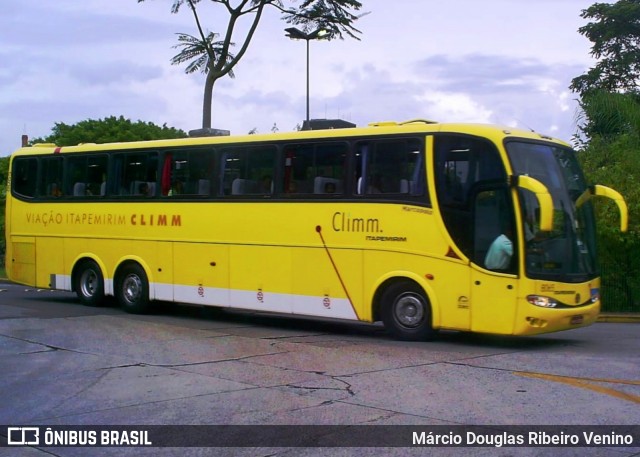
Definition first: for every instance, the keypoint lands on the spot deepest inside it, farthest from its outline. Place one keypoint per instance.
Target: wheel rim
(132, 288)
(409, 310)
(89, 283)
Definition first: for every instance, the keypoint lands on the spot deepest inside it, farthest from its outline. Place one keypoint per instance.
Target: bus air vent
(418, 121)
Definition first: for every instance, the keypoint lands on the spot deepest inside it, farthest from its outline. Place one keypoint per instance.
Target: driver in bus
(500, 252)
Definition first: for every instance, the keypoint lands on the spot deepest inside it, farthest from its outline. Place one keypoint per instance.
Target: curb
(620, 318)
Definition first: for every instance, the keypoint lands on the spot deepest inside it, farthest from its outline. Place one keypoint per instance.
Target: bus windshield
(568, 252)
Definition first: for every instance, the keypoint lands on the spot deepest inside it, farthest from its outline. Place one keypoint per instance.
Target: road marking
(588, 383)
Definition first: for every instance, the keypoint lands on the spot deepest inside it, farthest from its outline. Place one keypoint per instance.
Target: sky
(507, 62)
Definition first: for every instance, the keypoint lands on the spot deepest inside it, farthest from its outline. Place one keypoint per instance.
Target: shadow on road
(58, 301)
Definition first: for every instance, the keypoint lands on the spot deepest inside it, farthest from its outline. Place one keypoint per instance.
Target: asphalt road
(63, 363)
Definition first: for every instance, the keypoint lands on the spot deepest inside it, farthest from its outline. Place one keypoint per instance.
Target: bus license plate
(575, 320)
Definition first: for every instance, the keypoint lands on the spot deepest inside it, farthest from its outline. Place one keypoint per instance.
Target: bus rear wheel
(89, 284)
(132, 289)
(406, 312)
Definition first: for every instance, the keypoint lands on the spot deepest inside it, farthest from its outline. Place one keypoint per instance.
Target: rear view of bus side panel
(327, 282)
(21, 259)
(201, 273)
(50, 262)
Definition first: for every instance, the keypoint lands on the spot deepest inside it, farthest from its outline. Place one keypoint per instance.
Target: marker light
(542, 301)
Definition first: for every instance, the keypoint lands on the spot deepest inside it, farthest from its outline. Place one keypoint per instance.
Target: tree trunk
(208, 99)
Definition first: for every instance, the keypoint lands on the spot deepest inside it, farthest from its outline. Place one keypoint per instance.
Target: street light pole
(297, 34)
(308, 125)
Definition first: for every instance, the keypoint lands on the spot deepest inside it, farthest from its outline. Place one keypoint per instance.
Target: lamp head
(297, 34)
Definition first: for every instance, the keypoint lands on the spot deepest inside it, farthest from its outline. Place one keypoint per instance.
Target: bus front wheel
(406, 312)
(132, 289)
(89, 284)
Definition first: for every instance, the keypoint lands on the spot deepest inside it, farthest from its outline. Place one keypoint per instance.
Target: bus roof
(494, 132)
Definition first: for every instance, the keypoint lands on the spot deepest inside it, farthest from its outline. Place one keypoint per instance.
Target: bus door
(471, 185)
(494, 261)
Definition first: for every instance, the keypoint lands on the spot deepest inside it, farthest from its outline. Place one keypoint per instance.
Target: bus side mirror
(542, 194)
(607, 192)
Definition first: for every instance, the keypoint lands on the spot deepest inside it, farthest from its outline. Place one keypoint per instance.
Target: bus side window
(25, 173)
(187, 172)
(317, 169)
(132, 171)
(494, 241)
(330, 160)
(390, 167)
(51, 177)
(249, 170)
(463, 166)
(97, 175)
(299, 169)
(86, 175)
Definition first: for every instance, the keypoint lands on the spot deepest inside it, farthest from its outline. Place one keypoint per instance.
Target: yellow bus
(420, 225)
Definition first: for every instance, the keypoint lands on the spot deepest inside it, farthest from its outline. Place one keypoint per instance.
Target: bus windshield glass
(567, 253)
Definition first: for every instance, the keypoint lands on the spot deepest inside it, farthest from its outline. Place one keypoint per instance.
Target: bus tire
(132, 289)
(406, 312)
(89, 283)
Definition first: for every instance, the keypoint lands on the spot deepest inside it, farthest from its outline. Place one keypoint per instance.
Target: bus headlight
(542, 301)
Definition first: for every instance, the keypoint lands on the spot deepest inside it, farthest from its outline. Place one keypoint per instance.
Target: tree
(609, 156)
(201, 54)
(615, 34)
(609, 91)
(607, 115)
(4, 172)
(613, 162)
(107, 130)
(609, 138)
(336, 17)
